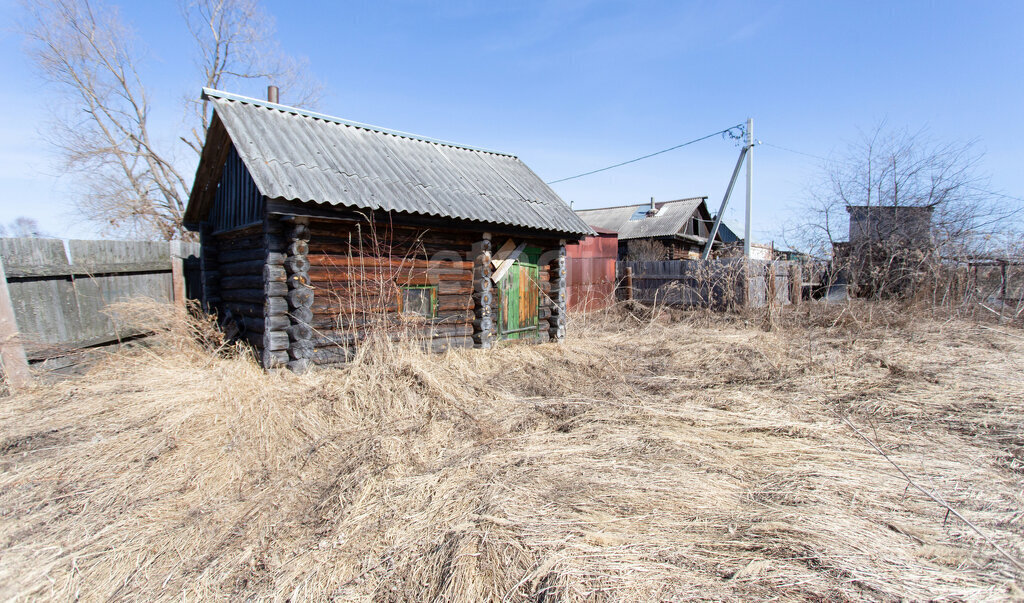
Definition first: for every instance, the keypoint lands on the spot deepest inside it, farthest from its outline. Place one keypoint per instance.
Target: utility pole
(750, 185)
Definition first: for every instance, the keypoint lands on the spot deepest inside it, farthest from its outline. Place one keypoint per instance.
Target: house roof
(671, 219)
(727, 235)
(310, 157)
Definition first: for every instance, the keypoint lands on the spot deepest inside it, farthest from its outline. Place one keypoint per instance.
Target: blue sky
(576, 85)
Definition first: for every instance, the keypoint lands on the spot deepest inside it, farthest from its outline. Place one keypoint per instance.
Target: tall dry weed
(653, 456)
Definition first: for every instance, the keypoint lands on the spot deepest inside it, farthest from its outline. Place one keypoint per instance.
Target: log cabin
(318, 233)
(667, 230)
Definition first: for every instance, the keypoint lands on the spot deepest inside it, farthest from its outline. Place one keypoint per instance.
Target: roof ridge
(701, 197)
(211, 93)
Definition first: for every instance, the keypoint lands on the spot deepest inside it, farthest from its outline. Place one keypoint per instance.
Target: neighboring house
(890, 225)
(318, 233)
(887, 249)
(674, 230)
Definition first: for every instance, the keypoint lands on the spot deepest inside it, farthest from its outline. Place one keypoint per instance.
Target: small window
(418, 301)
(643, 213)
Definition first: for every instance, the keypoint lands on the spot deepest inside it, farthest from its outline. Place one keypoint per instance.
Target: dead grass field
(666, 458)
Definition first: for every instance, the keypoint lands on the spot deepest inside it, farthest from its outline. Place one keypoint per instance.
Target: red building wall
(591, 268)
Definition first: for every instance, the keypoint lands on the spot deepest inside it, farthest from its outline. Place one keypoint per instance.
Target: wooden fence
(722, 283)
(53, 292)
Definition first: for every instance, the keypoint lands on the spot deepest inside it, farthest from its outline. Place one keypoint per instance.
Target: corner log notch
(558, 295)
(300, 297)
(483, 295)
(209, 273)
(275, 305)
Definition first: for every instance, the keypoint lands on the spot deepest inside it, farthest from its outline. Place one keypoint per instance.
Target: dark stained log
(301, 297)
(251, 296)
(301, 349)
(242, 282)
(454, 287)
(332, 338)
(557, 295)
(246, 255)
(332, 320)
(297, 263)
(274, 241)
(322, 259)
(483, 324)
(302, 315)
(244, 309)
(275, 340)
(275, 306)
(275, 289)
(273, 359)
(450, 343)
(208, 262)
(454, 302)
(484, 298)
(299, 332)
(241, 268)
(482, 284)
(332, 355)
(275, 273)
(258, 325)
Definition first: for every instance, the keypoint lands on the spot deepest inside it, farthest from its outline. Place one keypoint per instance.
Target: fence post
(629, 282)
(796, 285)
(11, 351)
(1002, 284)
(177, 273)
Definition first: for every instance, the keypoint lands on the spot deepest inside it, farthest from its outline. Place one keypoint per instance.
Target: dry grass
(662, 457)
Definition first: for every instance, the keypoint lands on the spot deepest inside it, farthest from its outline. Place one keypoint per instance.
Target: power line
(678, 146)
(775, 146)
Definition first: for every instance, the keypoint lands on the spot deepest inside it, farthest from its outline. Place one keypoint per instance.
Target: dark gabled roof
(727, 235)
(671, 219)
(309, 157)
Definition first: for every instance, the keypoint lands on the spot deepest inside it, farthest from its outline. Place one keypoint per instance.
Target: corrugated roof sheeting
(671, 219)
(315, 159)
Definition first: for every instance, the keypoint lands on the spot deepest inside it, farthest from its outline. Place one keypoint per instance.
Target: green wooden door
(519, 301)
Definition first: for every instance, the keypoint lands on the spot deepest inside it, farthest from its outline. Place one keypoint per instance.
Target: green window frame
(418, 300)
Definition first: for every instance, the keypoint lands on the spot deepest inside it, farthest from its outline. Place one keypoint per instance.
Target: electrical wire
(728, 131)
(775, 146)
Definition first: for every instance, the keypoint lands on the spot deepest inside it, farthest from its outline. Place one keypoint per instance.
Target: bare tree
(646, 250)
(22, 227)
(235, 42)
(104, 131)
(133, 184)
(911, 203)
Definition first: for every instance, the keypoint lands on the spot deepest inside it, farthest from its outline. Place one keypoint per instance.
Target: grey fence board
(60, 290)
(708, 283)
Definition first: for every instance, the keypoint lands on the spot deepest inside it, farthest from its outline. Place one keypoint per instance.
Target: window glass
(418, 301)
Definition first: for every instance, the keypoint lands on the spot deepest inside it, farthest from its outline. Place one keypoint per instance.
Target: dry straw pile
(651, 457)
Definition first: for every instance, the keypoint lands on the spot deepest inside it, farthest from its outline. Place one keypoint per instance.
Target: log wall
(304, 290)
(356, 272)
